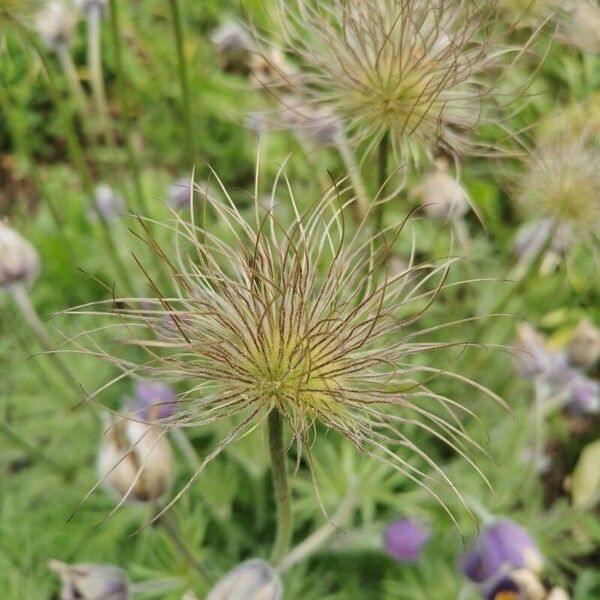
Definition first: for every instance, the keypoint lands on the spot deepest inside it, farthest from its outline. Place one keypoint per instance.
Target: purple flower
(502, 546)
(405, 539)
(108, 203)
(506, 586)
(519, 584)
(154, 401)
(583, 394)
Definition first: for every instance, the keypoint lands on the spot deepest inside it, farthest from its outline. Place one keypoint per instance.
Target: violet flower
(405, 539)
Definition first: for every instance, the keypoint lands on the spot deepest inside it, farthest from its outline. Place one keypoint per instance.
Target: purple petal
(405, 539)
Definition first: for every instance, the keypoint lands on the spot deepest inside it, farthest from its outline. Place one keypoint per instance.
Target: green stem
(382, 170)
(66, 62)
(94, 19)
(124, 100)
(281, 486)
(183, 77)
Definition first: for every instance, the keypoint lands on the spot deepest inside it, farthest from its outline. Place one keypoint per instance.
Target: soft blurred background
(543, 459)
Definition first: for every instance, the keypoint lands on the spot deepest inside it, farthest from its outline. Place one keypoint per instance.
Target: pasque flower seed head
(19, 260)
(297, 318)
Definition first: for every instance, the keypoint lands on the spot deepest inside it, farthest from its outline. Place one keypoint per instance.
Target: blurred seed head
(272, 71)
(315, 124)
(108, 203)
(295, 317)
(502, 546)
(558, 594)
(534, 358)
(441, 196)
(251, 580)
(412, 69)
(525, 13)
(154, 401)
(19, 260)
(86, 6)
(135, 461)
(584, 348)
(563, 184)
(405, 539)
(579, 24)
(55, 24)
(532, 237)
(234, 45)
(91, 582)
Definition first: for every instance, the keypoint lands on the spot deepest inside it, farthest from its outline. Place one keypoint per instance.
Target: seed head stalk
(382, 159)
(124, 100)
(281, 486)
(183, 77)
(94, 19)
(66, 63)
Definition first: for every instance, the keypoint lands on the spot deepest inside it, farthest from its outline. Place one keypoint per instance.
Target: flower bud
(91, 582)
(250, 580)
(129, 446)
(154, 401)
(520, 584)
(584, 348)
(441, 196)
(557, 594)
(55, 24)
(405, 539)
(108, 203)
(233, 44)
(19, 260)
(502, 545)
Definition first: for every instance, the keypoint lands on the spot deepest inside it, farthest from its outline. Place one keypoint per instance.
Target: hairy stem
(314, 541)
(382, 171)
(183, 77)
(281, 486)
(94, 49)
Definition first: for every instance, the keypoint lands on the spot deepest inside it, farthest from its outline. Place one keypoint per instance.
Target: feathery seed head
(234, 45)
(91, 582)
(579, 24)
(408, 68)
(563, 184)
(55, 24)
(19, 260)
(298, 318)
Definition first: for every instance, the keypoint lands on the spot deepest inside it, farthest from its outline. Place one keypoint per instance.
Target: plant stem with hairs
(94, 49)
(281, 486)
(382, 170)
(183, 78)
(124, 100)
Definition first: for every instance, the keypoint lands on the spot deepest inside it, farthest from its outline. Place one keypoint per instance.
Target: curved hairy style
(563, 183)
(302, 318)
(410, 68)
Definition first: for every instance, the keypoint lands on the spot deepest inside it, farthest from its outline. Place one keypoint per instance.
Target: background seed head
(251, 580)
(19, 260)
(55, 24)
